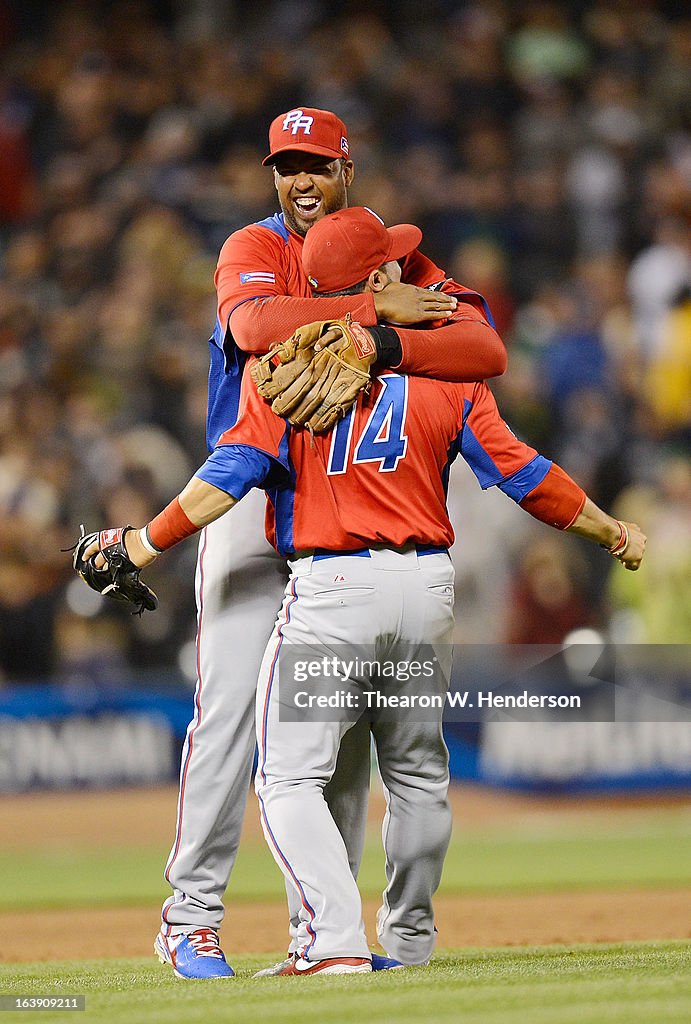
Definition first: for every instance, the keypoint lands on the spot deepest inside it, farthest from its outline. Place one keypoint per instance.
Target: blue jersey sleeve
(493, 452)
(237, 468)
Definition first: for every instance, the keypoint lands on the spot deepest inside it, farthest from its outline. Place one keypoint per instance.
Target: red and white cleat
(337, 965)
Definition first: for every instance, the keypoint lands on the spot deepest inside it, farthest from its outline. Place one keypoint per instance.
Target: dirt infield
(462, 921)
(488, 920)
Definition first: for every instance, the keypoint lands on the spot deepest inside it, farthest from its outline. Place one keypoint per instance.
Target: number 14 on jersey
(383, 438)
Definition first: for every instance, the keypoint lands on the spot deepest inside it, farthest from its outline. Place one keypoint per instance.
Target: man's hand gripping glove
(119, 577)
(315, 389)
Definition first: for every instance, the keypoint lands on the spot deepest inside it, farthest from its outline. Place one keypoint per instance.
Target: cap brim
(332, 154)
(404, 239)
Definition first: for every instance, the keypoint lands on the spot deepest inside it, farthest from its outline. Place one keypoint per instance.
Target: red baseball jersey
(380, 476)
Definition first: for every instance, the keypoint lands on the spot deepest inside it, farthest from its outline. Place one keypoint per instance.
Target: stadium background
(544, 150)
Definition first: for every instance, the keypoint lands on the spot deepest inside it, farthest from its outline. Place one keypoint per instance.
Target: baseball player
(263, 294)
(360, 514)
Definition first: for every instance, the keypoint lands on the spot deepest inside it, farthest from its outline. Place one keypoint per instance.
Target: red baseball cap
(343, 248)
(310, 130)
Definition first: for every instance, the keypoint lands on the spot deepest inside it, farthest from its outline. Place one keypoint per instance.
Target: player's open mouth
(308, 206)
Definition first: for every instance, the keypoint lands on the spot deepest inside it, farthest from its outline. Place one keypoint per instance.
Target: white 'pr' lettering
(298, 121)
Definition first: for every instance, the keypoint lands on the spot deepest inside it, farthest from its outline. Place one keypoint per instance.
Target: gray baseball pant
(240, 582)
(399, 605)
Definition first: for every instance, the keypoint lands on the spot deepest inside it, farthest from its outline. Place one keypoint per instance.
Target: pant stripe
(196, 721)
(265, 718)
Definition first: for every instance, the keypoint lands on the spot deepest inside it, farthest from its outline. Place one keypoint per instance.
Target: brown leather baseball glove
(314, 377)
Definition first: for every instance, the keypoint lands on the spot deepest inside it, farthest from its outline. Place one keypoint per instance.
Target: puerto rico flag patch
(257, 276)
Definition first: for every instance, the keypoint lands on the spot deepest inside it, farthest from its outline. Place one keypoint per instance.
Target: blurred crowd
(544, 149)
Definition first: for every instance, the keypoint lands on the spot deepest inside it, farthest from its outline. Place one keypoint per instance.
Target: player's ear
(377, 280)
(348, 172)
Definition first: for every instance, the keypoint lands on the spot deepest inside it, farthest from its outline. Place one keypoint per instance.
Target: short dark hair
(355, 289)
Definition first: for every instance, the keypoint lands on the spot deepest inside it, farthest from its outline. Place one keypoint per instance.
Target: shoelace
(204, 941)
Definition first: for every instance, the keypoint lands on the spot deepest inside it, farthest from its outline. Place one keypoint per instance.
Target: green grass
(624, 984)
(636, 983)
(657, 852)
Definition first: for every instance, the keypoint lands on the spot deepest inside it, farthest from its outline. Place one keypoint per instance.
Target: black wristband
(389, 350)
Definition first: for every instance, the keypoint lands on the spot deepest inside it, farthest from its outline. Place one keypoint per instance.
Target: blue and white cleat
(385, 963)
(194, 956)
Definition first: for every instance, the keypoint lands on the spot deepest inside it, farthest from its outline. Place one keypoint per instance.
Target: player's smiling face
(309, 187)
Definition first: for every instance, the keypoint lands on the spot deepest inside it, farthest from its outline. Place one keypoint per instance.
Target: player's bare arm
(624, 541)
(200, 502)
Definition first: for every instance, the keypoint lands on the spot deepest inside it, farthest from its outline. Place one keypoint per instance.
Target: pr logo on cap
(298, 121)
